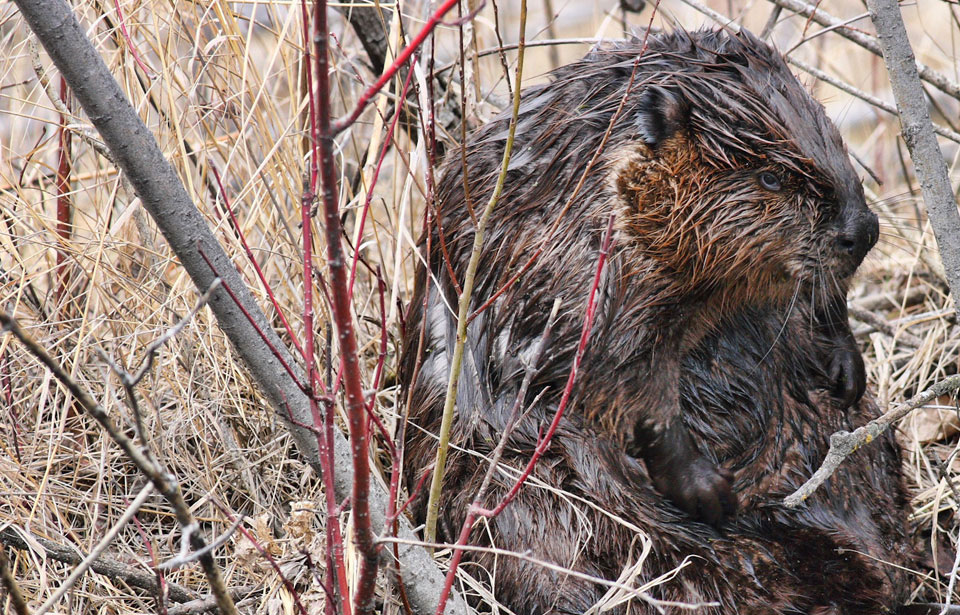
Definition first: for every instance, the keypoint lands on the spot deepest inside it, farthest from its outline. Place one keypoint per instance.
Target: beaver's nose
(859, 233)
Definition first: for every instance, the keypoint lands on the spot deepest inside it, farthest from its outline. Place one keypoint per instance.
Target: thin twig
(869, 43)
(345, 122)
(463, 312)
(887, 328)
(844, 443)
(467, 527)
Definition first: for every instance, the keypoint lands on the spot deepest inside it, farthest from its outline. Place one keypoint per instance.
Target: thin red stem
(256, 265)
(343, 123)
(567, 391)
(476, 510)
(64, 205)
(311, 99)
(373, 181)
(266, 554)
(133, 50)
(250, 319)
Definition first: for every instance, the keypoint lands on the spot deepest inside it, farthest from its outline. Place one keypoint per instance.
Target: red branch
(476, 510)
(253, 261)
(64, 206)
(133, 50)
(343, 317)
(373, 180)
(266, 554)
(253, 322)
(344, 122)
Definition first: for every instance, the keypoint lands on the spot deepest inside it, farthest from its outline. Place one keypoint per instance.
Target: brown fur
(720, 357)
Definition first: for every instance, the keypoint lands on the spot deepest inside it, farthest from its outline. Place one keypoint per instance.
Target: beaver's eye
(769, 181)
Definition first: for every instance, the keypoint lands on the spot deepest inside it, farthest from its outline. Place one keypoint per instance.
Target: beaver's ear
(660, 114)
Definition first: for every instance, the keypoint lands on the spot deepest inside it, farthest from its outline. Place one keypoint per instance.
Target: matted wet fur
(720, 360)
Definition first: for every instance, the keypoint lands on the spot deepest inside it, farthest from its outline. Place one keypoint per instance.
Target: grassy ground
(220, 85)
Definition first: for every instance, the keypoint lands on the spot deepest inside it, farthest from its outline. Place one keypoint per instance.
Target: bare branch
(887, 328)
(915, 125)
(107, 566)
(433, 505)
(869, 43)
(844, 443)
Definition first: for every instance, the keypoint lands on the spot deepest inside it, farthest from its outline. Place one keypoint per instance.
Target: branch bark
(845, 443)
(938, 80)
(165, 199)
(917, 131)
(107, 566)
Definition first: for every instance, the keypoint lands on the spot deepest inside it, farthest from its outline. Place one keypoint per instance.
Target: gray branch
(20, 539)
(938, 80)
(165, 199)
(918, 135)
(845, 443)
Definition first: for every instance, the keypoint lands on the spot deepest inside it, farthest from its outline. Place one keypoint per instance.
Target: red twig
(325, 419)
(378, 372)
(253, 261)
(394, 514)
(253, 322)
(476, 510)
(64, 205)
(344, 122)
(133, 50)
(162, 588)
(266, 554)
(376, 175)
(311, 99)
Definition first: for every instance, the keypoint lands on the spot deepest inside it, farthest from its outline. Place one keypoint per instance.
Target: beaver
(720, 358)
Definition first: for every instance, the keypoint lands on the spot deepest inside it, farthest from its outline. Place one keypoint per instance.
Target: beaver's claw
(702, 490)
(848, 375)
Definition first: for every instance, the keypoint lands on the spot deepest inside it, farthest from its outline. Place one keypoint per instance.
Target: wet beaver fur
(720, 359)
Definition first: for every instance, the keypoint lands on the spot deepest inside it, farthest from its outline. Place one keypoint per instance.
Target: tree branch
(844, 443)
(165, 199)
(107, 566)
(918, 134)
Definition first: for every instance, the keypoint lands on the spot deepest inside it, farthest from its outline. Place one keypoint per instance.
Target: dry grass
(224, 91)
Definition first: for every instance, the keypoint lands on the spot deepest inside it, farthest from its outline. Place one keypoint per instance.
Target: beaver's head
(736, 176)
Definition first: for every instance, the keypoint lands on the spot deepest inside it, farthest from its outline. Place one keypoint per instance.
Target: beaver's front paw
(701, 489)
(848, 375)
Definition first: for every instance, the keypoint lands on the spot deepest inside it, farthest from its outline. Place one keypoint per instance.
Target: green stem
(463, 312)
